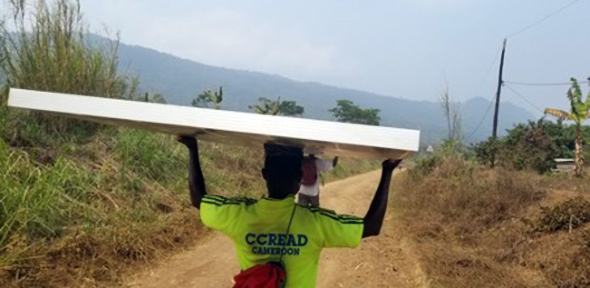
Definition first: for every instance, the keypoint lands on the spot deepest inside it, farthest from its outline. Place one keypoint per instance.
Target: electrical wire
(482, 119)
(524, 98)
(548, 16)
(544, 84)
(486, 76)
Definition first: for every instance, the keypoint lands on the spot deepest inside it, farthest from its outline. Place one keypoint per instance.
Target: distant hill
(180, 80)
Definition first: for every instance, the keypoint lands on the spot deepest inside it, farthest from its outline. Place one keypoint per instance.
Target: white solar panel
(318, 137)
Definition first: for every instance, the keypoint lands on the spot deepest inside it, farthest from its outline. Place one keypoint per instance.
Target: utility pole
(499, 91)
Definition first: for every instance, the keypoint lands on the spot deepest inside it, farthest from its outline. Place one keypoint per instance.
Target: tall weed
(48, 51)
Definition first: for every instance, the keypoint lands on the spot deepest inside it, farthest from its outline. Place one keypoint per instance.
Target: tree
(346, 111)
(453, 116)
(155, 98)
(208, 98)
(527, 146)
(277, 107)
(580, 111)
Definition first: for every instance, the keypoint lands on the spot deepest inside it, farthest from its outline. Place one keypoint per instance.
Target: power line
(482, 118)
(485, 77)
(543, 84)
(492, 65)
(537, 84)
(524, 98)
(550, 15)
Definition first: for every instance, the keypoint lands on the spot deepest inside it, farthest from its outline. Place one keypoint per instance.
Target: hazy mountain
(180, 80)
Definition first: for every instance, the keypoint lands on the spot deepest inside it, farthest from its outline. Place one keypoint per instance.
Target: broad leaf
(580, 109)
(558, 113)
(576, 91)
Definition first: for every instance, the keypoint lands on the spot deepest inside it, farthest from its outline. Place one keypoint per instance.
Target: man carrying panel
(258, 227)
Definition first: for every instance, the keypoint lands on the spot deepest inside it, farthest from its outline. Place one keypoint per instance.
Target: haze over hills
(180, 80)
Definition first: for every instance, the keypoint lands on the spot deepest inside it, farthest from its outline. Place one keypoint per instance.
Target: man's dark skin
(282, 186)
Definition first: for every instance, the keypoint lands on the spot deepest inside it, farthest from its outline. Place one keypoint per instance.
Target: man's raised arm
(374, 218)
(196, 181)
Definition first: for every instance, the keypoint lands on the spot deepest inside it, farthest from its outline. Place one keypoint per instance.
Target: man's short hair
(277, 150)
(282, 159)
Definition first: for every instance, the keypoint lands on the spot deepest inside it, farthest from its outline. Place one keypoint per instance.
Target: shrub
(567, 215)
(525, 147)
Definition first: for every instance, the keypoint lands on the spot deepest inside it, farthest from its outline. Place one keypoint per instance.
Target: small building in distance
(564, 164)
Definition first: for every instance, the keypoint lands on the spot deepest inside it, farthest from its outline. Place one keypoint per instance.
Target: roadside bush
(525, 147)
(567, 215)
(425, 165)
(451, 151)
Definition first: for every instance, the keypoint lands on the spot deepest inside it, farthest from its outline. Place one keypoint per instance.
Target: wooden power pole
(498, 92)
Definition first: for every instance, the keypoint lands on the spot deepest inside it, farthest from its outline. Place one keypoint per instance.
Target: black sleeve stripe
(343, 221)
(351, 217)
(346, 219)
(223, 201)
(207, 201)
(215, 197)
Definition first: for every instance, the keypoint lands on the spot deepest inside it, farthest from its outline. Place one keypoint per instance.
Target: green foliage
(567, 215)
(51, 53)
(154, 98)
(484, 150)
(38, 202)
(580, 109)
(532, 146)
(579, 112)
(277, 107)
(150, 155)
(425, 165)
(346, 111)
(209, 98)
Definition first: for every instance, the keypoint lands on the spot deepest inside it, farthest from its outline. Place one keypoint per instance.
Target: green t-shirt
(258, 229)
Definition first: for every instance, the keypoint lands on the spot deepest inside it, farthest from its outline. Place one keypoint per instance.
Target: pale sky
(403, 48)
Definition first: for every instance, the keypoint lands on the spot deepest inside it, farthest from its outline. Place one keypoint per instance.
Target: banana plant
(580, 111)
(209, 97)
(267, 106)
(277, 107)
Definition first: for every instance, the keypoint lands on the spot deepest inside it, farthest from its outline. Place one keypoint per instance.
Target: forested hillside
(181, 80)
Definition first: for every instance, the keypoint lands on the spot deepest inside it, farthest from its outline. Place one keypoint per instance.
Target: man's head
(282, 170)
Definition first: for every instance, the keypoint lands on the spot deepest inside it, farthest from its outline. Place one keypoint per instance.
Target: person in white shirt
(309, 193)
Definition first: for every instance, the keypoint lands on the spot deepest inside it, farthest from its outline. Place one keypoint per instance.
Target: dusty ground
(383, 261)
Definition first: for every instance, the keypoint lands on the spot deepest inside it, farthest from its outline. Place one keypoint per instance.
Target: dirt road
(383, 261)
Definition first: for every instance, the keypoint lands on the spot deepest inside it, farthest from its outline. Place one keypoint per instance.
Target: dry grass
(467, 226)
(83, 214)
